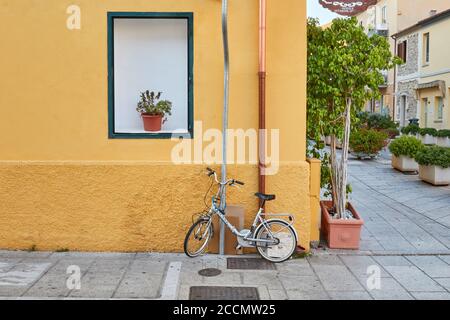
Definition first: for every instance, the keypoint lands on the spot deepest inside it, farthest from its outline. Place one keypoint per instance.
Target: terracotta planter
(152, 122)
(341, 234)
(435, 175)
(404, 164)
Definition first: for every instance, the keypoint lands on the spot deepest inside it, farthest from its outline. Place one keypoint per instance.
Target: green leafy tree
(344, 72)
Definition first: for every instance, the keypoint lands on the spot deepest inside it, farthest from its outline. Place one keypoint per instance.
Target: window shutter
(405, 50)
(401, 50)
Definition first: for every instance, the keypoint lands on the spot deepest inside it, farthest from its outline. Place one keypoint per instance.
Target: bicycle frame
(248, 235)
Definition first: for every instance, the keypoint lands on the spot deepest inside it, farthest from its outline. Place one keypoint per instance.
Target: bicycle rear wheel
(285, 236)
(198, 237)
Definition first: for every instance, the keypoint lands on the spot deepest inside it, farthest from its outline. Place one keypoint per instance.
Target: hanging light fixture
(347, 8)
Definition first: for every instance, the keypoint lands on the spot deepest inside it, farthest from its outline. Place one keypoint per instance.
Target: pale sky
(315, 10)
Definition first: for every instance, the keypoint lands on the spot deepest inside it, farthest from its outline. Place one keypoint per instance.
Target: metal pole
(225, 119)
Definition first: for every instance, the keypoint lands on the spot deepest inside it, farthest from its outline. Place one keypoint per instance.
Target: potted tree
(443, 138)
(434, 165)
(428, 135)
(403, 151)
(153, 110)
(344, 72)
(367, 143)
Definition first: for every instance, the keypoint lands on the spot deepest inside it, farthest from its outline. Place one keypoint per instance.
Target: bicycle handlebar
(231, 182)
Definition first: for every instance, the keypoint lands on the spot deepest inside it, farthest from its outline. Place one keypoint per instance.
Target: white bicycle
(275, 239)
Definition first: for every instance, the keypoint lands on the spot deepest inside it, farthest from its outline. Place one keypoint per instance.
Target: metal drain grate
(223, 293)
(249, 264)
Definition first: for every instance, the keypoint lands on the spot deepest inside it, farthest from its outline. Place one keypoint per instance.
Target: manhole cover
(211, 272)
(249, 264)
(223, 293)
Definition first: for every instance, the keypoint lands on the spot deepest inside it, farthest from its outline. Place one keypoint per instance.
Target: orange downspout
(262, 94)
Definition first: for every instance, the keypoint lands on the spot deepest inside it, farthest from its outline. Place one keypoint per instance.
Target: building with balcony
(386, 18)
(423, 82)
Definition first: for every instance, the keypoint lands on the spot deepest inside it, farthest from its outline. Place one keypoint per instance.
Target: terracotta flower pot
(341, 234)
(152, 122)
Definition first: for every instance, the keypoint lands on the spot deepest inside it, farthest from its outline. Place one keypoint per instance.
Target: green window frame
(112, 16)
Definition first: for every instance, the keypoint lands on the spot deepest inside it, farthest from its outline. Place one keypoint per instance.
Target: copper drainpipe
(262, 94)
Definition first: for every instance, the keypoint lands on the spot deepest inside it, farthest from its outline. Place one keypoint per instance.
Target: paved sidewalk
(402, 214)
(27, 275)
(405, 240)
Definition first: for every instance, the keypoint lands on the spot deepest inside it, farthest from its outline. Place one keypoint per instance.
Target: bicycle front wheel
(285, 240)
(198, 237)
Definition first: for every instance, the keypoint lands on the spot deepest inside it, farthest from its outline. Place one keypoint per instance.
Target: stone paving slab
(317, 277)
(402, 214)
(414, 279)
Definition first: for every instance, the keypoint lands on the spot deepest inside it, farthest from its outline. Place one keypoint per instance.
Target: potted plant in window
(153, 110)
(367, 143)
(338, 88)
(403, 151)
(443, 138)
(428, 135)
(434, 165)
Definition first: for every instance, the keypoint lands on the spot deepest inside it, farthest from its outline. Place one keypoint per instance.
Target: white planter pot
(327, 140)
(428, 139)
(443, 142)
(404, 164)
(435, 175)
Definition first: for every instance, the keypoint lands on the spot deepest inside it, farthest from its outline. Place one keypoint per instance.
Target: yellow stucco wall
(437, 69)
(64, 184)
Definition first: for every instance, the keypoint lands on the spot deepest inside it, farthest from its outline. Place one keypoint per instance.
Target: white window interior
(150, 54)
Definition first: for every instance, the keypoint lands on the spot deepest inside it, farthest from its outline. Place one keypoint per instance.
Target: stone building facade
(407, 81)
(422, 83)
(387, 18)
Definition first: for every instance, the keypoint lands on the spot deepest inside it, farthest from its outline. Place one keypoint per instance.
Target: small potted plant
(403, 150)
(367, 143)
(434, 165)
(428, 135)
(443, 138)
(153, 110)
(411, 130)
